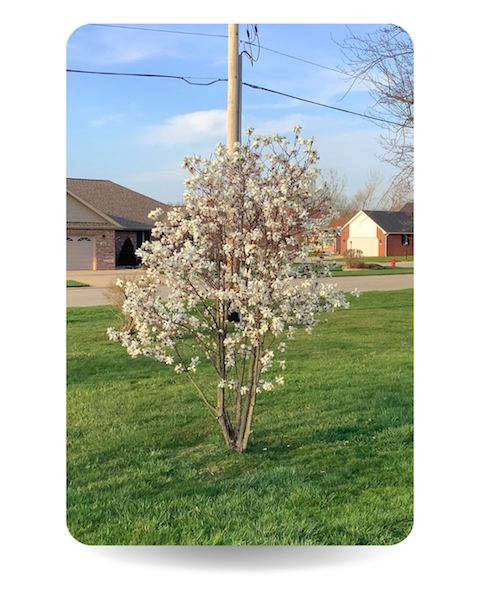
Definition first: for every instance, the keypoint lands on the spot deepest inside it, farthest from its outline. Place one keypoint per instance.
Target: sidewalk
(94, 296)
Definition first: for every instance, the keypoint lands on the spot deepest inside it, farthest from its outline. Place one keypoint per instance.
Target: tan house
(101, 216)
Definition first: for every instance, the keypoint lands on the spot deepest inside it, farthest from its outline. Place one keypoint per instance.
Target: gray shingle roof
(125, 206)
(408, 207)
(392, 222)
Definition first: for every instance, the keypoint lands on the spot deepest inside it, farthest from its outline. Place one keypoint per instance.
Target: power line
(350, 112)
(303, 60)
(218, 35)
(158, 30)
(147, 75)
(250, 85)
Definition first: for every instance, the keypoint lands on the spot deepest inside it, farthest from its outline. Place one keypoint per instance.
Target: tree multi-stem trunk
(222, 415)
(247, 410)
(223, 420)
(236, 435)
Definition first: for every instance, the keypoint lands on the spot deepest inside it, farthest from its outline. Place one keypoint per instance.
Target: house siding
(381, 242)
(395, 247)
(344, 237)
(77, 212)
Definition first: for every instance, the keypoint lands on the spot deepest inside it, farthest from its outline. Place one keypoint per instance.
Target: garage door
(80, 252)
(369, 246)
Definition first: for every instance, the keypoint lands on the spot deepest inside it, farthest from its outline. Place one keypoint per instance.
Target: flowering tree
(227, 259)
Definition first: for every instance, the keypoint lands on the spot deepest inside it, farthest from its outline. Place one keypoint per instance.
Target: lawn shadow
(240, 558)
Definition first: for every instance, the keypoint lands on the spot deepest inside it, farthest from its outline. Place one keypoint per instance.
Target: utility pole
(234, 116)
(234, 102)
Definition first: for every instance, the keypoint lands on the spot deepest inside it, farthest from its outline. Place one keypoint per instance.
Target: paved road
(94, 296)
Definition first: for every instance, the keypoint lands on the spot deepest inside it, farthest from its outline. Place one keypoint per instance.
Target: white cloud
(97, 46)
(200, 126)
(107, 119)
(349, 147)
(283, 125)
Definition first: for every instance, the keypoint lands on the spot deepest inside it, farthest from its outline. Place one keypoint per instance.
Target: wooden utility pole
(234, 109)
(234, 116)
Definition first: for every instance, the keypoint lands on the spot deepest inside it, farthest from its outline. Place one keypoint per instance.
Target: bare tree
(397, 196)
(383, 61)
(330, 191)
(368, 197)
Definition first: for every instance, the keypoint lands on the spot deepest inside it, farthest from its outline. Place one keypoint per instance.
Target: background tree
(383, 61)
(397, 195)
(330, 189)
(370, 196)
(241, 208)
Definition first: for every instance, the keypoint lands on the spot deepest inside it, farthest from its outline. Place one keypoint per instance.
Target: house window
(84, 239)
(142, 236)
(405, 240)
(69, 239)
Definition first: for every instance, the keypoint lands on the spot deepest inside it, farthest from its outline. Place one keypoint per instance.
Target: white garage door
(369, 246)
(79, 252)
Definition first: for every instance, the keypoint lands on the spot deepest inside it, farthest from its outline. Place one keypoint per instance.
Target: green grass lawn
(376, 259)
(72, 283)
(375, 269)
(382, 271)
(387, 258)
(329, 461)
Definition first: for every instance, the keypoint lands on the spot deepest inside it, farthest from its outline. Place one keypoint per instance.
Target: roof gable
(128, 209)
(355, 216)
(79, 211)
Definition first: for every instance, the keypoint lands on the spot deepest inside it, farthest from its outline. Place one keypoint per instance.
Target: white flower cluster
(229, 251)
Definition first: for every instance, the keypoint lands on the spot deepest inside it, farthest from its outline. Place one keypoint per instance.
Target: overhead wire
(250, 85)
(218, 35)
(344, 110)
(158, 30)
(251, 43)
(148, 75)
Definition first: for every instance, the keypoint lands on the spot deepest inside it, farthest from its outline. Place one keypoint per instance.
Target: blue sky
(135, 130)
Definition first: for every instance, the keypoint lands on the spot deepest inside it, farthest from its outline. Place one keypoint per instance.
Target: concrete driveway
(99, 281)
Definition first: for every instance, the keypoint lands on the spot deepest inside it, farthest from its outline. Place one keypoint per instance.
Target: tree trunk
(227, 430)
(247, 410)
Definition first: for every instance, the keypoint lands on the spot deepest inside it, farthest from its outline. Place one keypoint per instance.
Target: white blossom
(242, 209)
(194, 364)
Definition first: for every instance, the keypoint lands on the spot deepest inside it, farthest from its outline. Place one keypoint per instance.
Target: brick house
(380, 232)
(335, 246)
(101, 215)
